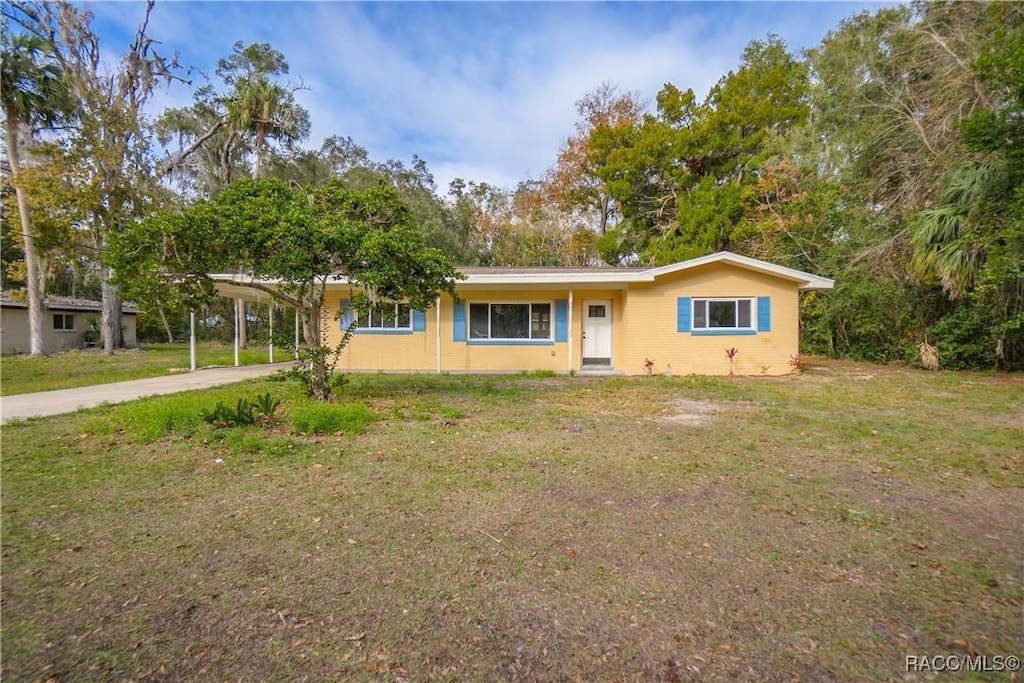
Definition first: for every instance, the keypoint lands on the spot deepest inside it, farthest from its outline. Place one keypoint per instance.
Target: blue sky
(483, 91)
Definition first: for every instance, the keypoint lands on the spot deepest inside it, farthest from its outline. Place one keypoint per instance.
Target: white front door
(597, 332)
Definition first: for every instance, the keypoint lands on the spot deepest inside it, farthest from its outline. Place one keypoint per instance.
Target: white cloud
(479, 90)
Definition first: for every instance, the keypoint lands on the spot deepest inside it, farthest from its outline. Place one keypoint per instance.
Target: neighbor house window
(723, 314)
(510, 321)
(386, 317)
(64, 322)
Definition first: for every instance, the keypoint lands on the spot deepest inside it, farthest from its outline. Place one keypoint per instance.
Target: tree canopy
(887, 157)
(299, 238)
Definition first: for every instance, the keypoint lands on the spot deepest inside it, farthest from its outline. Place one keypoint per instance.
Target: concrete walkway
(70, 400)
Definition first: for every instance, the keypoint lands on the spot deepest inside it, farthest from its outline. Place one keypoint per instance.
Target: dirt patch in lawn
(695, 413)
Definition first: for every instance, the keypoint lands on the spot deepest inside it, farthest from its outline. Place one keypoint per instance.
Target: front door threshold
(594, 369)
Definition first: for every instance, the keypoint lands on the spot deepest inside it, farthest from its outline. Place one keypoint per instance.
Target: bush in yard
(328, 418)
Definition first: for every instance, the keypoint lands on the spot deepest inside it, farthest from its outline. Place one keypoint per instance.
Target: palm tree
(265, 111)
(949, 244)
(33, 94)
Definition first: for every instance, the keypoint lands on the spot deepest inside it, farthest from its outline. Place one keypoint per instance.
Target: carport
(241, 288)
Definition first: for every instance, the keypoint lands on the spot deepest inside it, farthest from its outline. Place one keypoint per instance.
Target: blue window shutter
(459, 323)
(683, 307)
(561, 320)
(347, 315)
(764, 314)
(419, 321)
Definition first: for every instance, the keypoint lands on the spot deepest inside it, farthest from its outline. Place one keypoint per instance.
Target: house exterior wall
(418, 350)
(645, 325)
(129, 330)
(14, 336)
(650, 319)
(415, 351)
(14, 331)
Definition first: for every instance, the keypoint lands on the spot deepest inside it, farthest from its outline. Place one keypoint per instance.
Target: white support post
(437, 333)
(296, 334)
(191, 341)
(570, 330)
(236, 336)
(271, 309)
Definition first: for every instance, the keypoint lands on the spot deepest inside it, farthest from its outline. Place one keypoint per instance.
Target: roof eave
(805, 281)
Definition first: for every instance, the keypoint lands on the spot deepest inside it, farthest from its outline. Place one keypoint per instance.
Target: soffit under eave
(539, 286)
(235, 290)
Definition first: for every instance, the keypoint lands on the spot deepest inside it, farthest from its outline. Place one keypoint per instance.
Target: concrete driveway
(69, 400)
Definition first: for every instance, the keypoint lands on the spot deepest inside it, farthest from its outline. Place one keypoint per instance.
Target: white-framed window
(386, 317)
(510, 321)
(723, 314)
(64, 322)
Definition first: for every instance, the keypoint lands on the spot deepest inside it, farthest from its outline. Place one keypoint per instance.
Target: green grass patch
(255, 441)
(330, 418)
(521, 528)
(22, 374)
(155, 417)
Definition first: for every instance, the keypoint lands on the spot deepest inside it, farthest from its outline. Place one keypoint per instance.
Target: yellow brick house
(676, 319)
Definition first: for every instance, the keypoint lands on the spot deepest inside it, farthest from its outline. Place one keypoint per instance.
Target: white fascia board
(806, 281)
(556, 279)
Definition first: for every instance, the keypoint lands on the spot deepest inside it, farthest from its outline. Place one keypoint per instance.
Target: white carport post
(570, 330)
(437, 333)
(296, 334)
(191, 341)
(271, 309)
(236, 335)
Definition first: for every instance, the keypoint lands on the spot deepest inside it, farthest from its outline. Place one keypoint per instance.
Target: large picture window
(386, 317)
(510, 321)
(722, 314)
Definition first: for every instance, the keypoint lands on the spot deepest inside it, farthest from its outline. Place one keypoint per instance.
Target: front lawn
(22, 374)
(817, 527)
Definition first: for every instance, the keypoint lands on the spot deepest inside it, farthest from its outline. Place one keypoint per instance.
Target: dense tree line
(888, 157)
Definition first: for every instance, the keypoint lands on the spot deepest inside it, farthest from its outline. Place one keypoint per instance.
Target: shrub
(328, 418)
(964, 338)
(266, 405)
(244, 413)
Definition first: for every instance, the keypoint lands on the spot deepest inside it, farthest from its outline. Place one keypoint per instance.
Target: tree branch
(180, 157)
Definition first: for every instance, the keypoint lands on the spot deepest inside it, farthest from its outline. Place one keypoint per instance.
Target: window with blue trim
(723, 314)
(386, 317)
(510, 321)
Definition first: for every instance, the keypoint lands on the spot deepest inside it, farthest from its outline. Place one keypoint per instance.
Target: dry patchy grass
(819, 527)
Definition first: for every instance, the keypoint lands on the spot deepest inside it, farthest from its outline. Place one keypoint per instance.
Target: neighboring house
(678, 319)
(66, 323)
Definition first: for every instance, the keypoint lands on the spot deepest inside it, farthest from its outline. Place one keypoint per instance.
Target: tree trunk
(110, 314)
(167, 326)
(321, 367)
(257, 165)
(605, 210)
(35, 293)
(310, 328)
